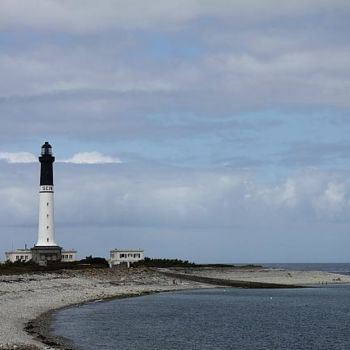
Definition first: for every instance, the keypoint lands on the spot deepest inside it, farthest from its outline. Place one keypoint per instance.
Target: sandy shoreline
(28, 297)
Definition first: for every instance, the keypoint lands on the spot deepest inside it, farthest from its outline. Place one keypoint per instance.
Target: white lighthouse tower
(46, 248)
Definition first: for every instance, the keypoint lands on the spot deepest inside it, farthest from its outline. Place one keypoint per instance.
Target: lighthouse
(46, 248)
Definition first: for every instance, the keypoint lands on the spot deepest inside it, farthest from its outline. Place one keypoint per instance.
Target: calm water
(336, 268)
(315, 318)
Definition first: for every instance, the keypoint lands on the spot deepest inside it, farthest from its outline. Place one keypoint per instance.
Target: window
(26, 257)
(17, 257)
(47, 239)
(47, 204)
(47, 227)
(136, 255)
(123, 255)
(47, 215)
(70, 256)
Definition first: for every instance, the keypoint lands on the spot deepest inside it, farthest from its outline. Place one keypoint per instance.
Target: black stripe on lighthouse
(46, 160)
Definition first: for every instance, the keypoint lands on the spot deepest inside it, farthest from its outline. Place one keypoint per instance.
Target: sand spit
(265, 276)
(25, 297)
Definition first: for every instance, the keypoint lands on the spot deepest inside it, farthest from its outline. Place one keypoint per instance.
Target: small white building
(125, 257)
(69, 255)
(25, 255)
(19, 255)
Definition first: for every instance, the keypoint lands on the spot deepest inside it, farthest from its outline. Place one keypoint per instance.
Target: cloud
(86, 17)
(316, 153)
(18, 157)
(211, 60)
(129, 194)
(133, 195)
(90, 158)
(334, 199)
(209, 208)
(78, 158)
(220, 87)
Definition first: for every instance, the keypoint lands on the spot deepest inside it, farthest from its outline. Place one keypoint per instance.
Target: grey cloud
(168, 202)
(178, 77)
(170, 196)
(318, 153)
(110, 83)
(215, 85)
(241, 162)
(125, 116)
(85, 16)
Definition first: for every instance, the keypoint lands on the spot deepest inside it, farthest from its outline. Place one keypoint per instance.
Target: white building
(69, 255)
(25, 255)
(19, 255)
(125, 257)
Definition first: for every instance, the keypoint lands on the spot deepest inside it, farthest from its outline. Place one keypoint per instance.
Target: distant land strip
(229, 283)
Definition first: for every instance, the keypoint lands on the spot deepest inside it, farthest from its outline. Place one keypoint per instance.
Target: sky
(211, 131)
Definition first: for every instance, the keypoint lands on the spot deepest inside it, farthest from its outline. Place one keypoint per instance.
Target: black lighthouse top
(46, 159)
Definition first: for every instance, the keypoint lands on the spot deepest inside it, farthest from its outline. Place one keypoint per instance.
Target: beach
(25, 297)
(275, 276)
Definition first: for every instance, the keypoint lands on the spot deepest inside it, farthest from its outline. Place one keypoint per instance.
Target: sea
(226, 318)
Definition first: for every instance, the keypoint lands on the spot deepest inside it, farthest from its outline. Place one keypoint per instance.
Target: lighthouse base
(42, 255)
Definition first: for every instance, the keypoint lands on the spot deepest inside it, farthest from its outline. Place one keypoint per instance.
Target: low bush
(94, 261)
(150, 262)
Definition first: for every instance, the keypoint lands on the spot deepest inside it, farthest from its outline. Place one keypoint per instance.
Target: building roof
(19, 250)
(126, 250)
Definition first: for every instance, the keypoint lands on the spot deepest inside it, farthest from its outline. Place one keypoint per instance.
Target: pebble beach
(25, 297)
(265, 275)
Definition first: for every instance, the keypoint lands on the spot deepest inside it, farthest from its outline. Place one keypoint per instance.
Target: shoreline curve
(28, 301)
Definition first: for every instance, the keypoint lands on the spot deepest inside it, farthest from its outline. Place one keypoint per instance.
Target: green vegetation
(249, 266)
(24, 267)
(19, 267)
(94, 261)
(152, 262)
(149, 262)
